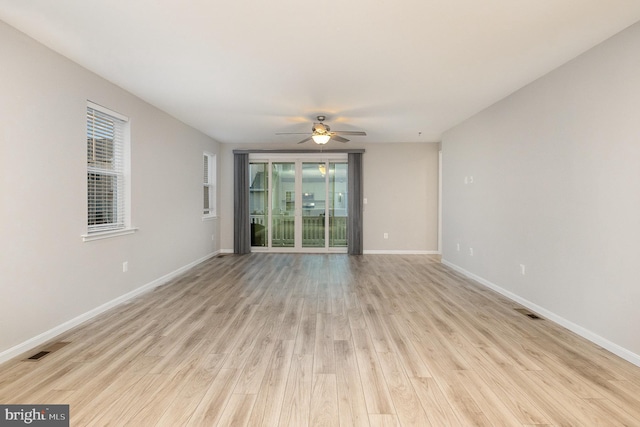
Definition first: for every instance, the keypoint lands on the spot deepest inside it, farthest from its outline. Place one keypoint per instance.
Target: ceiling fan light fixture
(321, 138)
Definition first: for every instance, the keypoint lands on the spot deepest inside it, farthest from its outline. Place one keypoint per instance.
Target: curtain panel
(241, 225)
(354, 226)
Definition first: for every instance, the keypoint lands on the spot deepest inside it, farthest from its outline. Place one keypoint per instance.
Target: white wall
(400, 184)
(401, 187)
(556, 176)
(48, 276)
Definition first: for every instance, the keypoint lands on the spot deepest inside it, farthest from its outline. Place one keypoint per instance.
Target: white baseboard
(398, 252)
(370, 252)
(54, 332)
(614, 348)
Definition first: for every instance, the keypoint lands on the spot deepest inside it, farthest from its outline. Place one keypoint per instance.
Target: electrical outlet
(125, 266)
(386, 235)
(471, 251)
(458, 247)
(522, 269)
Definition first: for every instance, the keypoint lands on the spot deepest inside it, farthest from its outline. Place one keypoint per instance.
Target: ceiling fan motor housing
(320, 128)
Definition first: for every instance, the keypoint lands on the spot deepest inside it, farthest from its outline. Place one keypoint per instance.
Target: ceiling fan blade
(305, 140)
(292, 133)
(339, 138)
(350, 132)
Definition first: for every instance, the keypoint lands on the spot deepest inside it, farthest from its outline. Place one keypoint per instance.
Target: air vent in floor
(39, 355)
(48, 350)
(528, 313)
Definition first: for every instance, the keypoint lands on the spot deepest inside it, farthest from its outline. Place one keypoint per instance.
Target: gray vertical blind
(354, 226)
(241, 226)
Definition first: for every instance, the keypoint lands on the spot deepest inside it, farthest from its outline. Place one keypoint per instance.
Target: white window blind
(209, 187)
(105, 170)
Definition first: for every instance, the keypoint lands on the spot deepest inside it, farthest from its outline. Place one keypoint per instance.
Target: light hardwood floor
(315, 340)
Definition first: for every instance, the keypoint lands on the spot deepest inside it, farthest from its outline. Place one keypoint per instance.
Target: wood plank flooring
(326, 340)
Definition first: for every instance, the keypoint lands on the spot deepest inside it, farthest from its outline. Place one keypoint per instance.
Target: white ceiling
(242, 70)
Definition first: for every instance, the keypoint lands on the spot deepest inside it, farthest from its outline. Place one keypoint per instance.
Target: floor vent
(39, 355)
(50, 349)
(528, 313)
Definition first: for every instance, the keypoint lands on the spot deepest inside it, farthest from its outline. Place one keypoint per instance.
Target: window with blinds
(106, 138)
(209, 187)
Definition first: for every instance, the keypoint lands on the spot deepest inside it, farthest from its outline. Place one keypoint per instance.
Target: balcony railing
(313, 231)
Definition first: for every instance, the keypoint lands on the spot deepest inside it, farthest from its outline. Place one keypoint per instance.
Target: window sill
(209, 217)
(108, 234)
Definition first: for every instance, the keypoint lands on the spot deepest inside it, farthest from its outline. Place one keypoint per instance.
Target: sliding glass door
(298, 204)
(259, 203)
(283, 204)
(314, 189)
(338, 204)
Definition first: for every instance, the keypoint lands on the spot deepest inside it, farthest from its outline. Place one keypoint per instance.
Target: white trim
(106, 110)
(440, 201)
(258, 249)
(211, 184)
(121, 169)
(398, 252)
(209, 217)
(108, 234)
(54, 332)
(614, 348)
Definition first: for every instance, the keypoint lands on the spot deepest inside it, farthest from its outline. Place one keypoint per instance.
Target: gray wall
(400, 184)
(556, 175)
(50, 278)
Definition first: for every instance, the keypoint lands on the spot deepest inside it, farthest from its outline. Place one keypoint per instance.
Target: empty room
(420, 213)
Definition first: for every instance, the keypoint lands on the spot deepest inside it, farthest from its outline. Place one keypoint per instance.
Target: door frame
(297, 159)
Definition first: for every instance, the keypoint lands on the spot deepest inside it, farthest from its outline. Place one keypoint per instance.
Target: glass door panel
(298, 203)
(338, 204)
(314, 193)
(283, 204)
(259, 203)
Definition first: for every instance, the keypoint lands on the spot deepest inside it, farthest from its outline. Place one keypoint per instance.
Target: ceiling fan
(321, 133)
